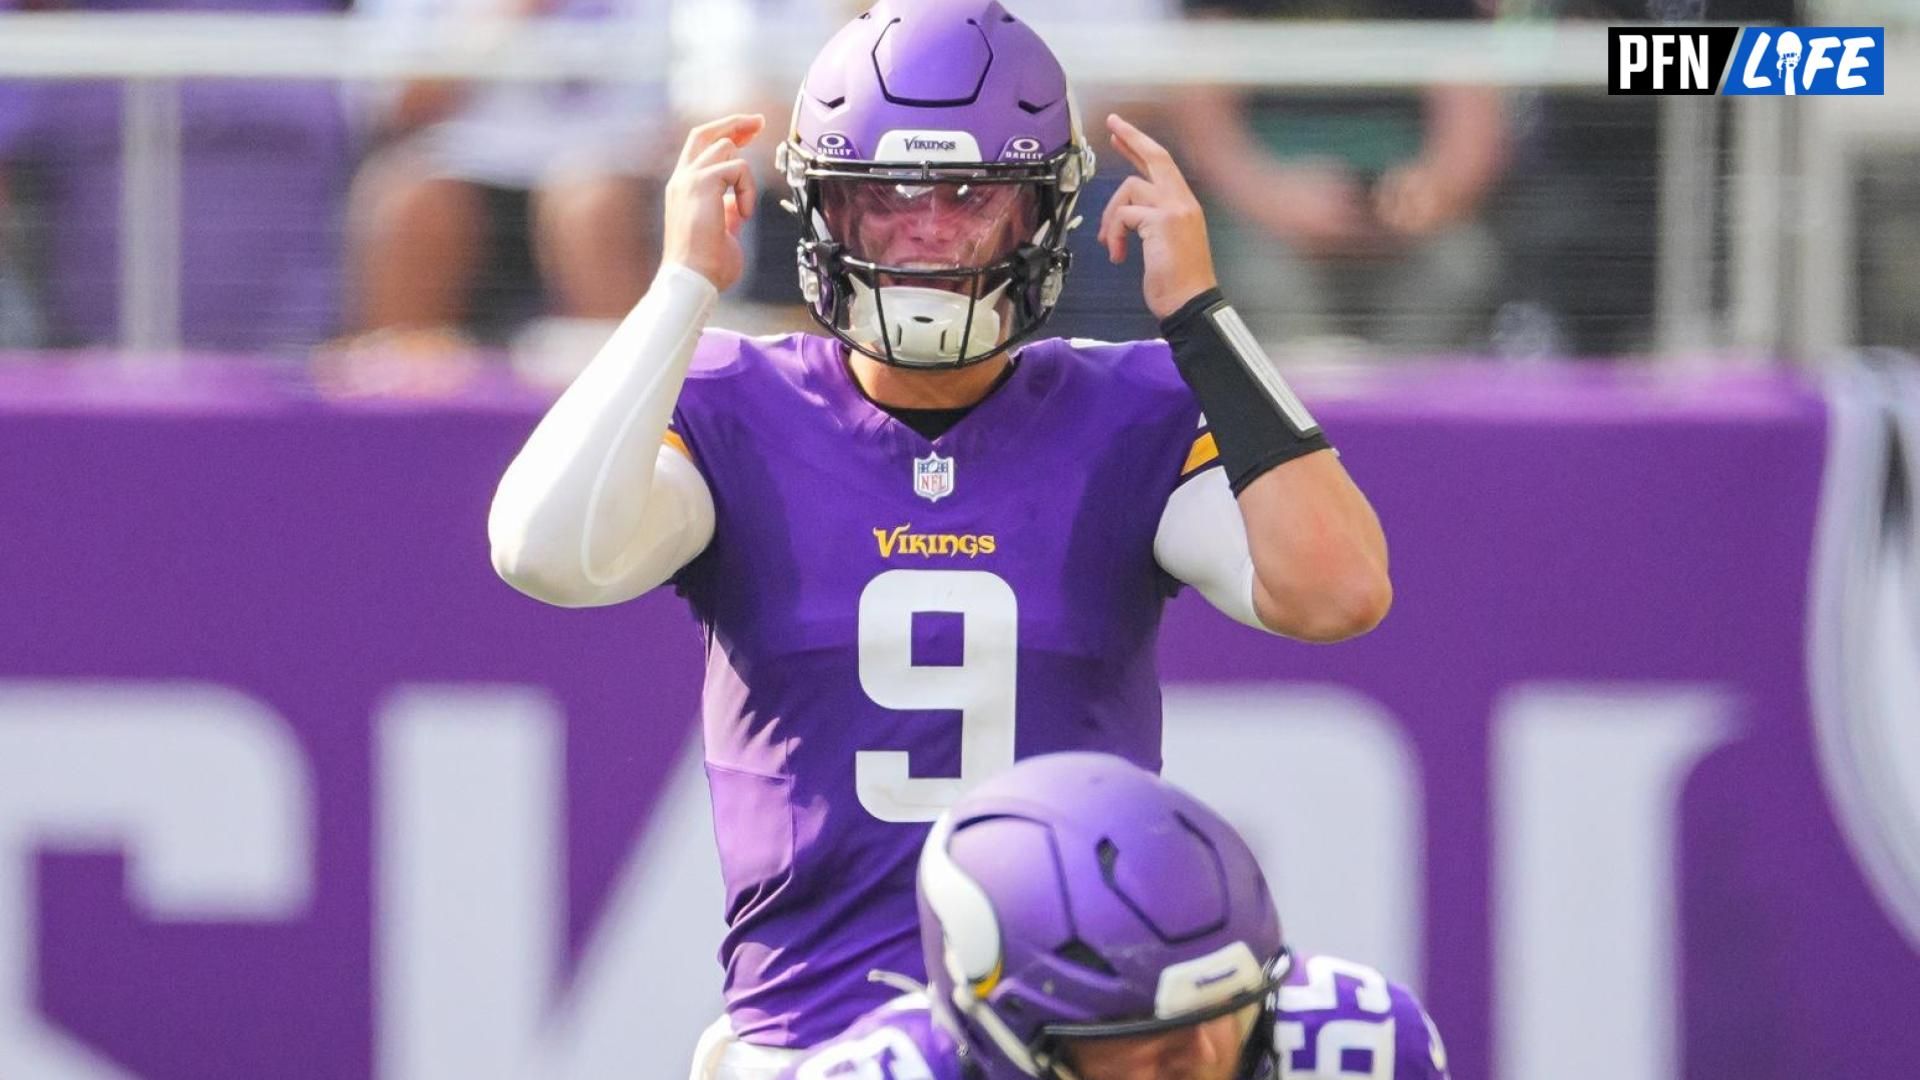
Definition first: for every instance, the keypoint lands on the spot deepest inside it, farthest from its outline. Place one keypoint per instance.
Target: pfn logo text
(1788, 61)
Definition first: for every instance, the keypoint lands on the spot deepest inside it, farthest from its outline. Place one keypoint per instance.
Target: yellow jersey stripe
(1205, 452)
(674, 440)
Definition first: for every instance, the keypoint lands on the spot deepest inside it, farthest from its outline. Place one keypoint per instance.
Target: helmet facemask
(1258, 1000)
(933, 265)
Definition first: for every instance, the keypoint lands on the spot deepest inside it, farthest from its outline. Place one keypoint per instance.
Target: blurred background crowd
(436, 223)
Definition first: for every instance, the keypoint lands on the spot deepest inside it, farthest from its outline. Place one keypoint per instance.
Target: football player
(929, 541)
(1083, 919)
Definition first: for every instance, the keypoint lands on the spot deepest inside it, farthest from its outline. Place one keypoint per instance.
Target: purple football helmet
(1080, 896)
(934, 161)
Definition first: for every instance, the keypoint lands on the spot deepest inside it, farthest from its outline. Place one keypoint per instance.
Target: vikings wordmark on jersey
(880, 635)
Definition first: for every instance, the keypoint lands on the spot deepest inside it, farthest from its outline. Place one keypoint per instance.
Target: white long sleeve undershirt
(595, 510)
(1202, 541)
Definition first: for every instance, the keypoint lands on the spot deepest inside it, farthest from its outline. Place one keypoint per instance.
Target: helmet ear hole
(1083, 954)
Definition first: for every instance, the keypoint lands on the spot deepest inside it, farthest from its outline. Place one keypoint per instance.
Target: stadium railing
(1788, 283)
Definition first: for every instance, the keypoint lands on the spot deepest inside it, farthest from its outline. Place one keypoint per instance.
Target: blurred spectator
(725, 73)
(1582, 205)
(1102, 300)
(1343, 214)
(491, 204)
(1889, 253)
(263, 165)
(19, 314)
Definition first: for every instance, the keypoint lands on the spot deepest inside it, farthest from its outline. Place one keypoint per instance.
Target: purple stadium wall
(292, 786)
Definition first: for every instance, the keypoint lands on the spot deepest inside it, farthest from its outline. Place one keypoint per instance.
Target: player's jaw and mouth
(936, 265)
(947, 255)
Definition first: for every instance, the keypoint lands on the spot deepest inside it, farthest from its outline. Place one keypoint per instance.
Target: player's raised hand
(1158, 205)
(709, 194)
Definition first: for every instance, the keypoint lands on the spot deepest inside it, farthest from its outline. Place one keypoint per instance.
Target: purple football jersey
(889, 618)
(1339, 1020)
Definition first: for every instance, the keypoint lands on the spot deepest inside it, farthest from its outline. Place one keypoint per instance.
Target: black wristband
(1256, 420)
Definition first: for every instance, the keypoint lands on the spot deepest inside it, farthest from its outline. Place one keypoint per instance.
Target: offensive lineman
(1083, 919)
(932, 542)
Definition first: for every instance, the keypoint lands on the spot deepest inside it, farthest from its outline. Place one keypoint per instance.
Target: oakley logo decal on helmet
(835, 145)
(1023, 148)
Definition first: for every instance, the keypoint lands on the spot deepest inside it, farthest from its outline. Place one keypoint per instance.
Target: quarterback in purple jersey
(929, 542)
(1083, 919)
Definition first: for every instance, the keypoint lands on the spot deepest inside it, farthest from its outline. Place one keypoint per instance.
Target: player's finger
(1130, 219)
(749, 131)
(1121, 144)
(730, 207)
(701, 135)
(739, 129)
(1134, 218)
(1132, 191)
(731, 180)
(1146, 155)
(745, 192)
(714, 153)
(726, 127)
(733, 174)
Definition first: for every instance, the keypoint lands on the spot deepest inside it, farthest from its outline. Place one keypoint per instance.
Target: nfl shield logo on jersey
(933, 476)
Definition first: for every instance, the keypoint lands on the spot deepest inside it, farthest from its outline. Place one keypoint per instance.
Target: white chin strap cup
(925, 326)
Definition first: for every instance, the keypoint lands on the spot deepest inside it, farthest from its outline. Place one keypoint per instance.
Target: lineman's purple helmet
(1079, 896)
